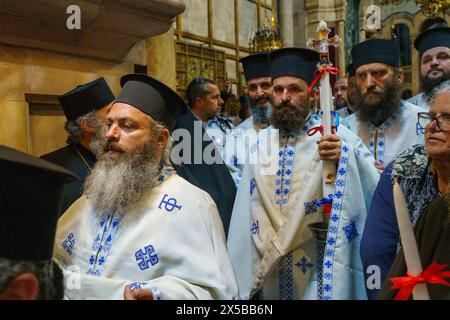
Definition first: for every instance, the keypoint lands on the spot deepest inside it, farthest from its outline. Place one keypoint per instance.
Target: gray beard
(260, 114)
(120, 180)
(98, 142)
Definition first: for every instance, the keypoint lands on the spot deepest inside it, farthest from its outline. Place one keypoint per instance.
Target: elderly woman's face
(437, 141)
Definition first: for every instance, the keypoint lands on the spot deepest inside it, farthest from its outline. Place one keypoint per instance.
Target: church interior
(42, 57)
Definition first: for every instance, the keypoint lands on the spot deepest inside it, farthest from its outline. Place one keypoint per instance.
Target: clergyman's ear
(86, 126)
(23, 287)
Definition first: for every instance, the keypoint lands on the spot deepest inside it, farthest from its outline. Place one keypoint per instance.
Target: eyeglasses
(442, 120)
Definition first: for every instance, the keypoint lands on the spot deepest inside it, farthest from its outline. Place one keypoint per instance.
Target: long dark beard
(288, 117)
(380, 111)
(428, 84)
(121, 179)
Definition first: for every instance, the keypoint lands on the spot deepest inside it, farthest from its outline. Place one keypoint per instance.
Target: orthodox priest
(85, 108)
(257, 76)
(271, 245)
(31, 190)
(386, 124)
(140, 231)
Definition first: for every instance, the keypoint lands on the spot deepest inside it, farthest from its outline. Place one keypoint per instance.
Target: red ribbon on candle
(320, 129)
(330, 70)
(432, 274)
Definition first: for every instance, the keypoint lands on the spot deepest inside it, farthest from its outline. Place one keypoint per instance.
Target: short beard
(289, 117)
(341, 103)
(428, 84)
(260, 114)
(120, 180)
(380, 111)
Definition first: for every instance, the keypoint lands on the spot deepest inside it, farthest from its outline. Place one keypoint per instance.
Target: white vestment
(246, 124)
(269, 241)
(238, 145)
(419, 100)
(171, 242)
(395, 135)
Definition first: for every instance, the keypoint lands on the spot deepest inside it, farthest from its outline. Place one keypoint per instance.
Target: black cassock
(212, 178)
(432, 233)
(77, 159)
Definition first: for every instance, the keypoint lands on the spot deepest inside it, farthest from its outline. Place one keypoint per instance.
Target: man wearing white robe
(386, 125)
(137, 233)
(257, 76)
(272, 248)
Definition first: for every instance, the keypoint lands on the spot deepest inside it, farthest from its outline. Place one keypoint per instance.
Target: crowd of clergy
(158, 196)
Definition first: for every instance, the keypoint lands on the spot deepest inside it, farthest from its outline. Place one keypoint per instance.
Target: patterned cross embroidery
(351, 232)
(169, 204)
(310, 207)
(146, 257)
(136, 285)
(69, 243)
(252, 186)
(255, 227)
(304, 265)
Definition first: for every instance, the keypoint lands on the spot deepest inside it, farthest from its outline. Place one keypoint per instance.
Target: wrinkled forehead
(259, 80)
(373, 67)
(121, 110)
(432, 52)
(341, 82)
(288, 81)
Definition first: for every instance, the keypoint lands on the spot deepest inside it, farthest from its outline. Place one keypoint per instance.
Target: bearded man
(259, 84)
(85, 108)
(386, 124)
(271, 246)
(434, 52)
(136, 233)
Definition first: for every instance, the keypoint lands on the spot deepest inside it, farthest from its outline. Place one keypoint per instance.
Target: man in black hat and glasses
(31, 190)
(140, 231)
(85, 108)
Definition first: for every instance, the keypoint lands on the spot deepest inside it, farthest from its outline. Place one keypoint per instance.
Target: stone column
(340, 57)
(161, 58)
(286, 22)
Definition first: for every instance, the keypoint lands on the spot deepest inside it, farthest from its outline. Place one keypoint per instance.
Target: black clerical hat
(256, 65)
(376, 50)
(85, 98)
(350, 70)
(31, 192)
(152, 97)
(295, 62)
(438, 37)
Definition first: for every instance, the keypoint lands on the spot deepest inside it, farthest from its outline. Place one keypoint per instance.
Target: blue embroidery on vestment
(169, 204)
(69, 243)
(146, 257)
(351, 231)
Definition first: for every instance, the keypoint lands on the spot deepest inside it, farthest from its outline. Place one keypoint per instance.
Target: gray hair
(443, 87)
(48, 273)
(157, 129)
(73, 127)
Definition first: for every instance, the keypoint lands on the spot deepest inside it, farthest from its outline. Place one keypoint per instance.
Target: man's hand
(330, 147)
(138, 294)
(379, 165)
